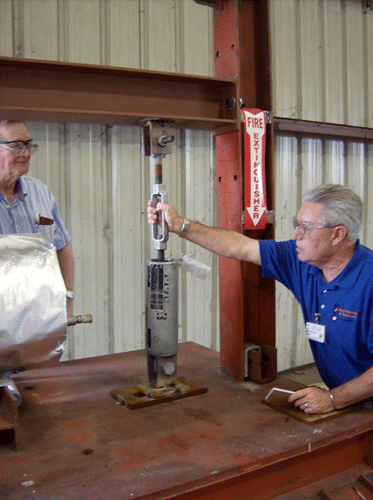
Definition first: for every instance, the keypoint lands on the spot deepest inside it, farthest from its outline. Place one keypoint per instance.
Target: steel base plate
(140, 395)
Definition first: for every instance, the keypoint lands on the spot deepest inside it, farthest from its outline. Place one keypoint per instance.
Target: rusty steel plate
(142, 395)
(74, 441)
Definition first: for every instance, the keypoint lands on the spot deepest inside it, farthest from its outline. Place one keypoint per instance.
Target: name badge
(315, 331)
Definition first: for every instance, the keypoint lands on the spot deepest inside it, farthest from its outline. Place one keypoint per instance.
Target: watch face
(70, 295)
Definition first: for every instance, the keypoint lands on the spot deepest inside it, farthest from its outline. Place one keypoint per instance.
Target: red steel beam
(315, 129)
(247, 302)
(53, 91)
(273, 480)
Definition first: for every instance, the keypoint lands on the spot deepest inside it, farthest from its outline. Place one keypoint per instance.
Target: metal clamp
(249, 347)
(160, 240)
(269, 116)
(270, 216)
(157, 139)
(260, 363)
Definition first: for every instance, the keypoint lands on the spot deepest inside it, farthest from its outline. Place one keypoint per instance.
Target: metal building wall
(322, 56)
(98, 173)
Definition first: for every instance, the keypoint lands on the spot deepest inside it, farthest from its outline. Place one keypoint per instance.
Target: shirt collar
(348, 276)
(21, 191)
(21, 188)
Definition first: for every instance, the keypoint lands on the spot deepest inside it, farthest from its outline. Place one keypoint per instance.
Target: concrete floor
(307, 375)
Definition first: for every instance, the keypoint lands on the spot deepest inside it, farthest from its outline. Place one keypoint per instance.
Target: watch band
(184, 228)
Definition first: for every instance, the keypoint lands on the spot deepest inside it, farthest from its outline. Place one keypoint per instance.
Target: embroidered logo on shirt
(345, 313)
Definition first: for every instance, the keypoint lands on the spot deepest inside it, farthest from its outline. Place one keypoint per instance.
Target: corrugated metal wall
(322, 54)
(99, 174)
(322, 58)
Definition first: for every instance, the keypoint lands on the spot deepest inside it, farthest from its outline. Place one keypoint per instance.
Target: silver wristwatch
(184, 228)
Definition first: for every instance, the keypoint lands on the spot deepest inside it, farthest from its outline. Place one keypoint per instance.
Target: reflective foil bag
(33, 316)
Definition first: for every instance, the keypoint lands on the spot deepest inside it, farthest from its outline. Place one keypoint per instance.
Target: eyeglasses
(20, 146)
(302, 227)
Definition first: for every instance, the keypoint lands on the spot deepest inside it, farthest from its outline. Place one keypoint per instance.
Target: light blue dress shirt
(33, 199)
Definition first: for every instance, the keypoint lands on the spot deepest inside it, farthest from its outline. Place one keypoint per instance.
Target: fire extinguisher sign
(254, 158)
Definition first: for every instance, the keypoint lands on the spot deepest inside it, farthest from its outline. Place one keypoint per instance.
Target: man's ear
(340, 234)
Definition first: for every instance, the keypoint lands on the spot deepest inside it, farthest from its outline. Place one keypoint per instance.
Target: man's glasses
(19, 147)
(302, 227)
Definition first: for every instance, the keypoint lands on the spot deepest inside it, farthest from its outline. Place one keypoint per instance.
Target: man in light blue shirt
(26, 204)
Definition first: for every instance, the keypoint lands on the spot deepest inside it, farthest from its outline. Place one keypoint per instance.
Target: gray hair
(7, 123)
(341, 207)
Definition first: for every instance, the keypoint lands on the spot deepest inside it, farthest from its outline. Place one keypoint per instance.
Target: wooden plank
(294, 412)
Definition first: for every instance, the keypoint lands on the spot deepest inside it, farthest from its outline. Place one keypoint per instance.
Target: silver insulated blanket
(33, 316)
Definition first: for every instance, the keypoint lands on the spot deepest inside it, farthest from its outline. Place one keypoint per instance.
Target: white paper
(277, 395)
(194, 267)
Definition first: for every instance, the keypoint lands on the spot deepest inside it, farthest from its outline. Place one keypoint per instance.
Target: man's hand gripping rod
(159, 193)
(157, 146)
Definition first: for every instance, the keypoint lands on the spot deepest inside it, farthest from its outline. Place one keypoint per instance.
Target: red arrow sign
(255, 190)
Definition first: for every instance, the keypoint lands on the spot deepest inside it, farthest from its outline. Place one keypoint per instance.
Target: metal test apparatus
(161, 329)
(161, 275)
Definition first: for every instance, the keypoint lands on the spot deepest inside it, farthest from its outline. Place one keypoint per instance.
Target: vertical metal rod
(158, 172)
(159, 180)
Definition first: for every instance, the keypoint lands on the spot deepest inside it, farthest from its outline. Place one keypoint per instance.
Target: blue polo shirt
(33, 198)
(345, 306)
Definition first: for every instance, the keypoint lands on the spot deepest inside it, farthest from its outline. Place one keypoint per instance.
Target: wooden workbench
(75, 442)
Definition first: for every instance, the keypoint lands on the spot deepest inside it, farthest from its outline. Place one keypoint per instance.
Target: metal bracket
(269, 116)
(270, 216)
(249, 347)
(157, 139)
(260, 363)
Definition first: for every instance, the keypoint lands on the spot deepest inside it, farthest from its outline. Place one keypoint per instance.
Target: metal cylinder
(162, 321)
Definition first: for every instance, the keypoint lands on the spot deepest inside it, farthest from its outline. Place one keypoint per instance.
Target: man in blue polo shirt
(26, 204)
(330, 274)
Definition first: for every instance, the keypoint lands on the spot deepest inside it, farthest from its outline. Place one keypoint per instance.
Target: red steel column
(247, 302)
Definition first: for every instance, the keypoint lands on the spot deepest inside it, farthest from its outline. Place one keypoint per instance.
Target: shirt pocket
(47, 230)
